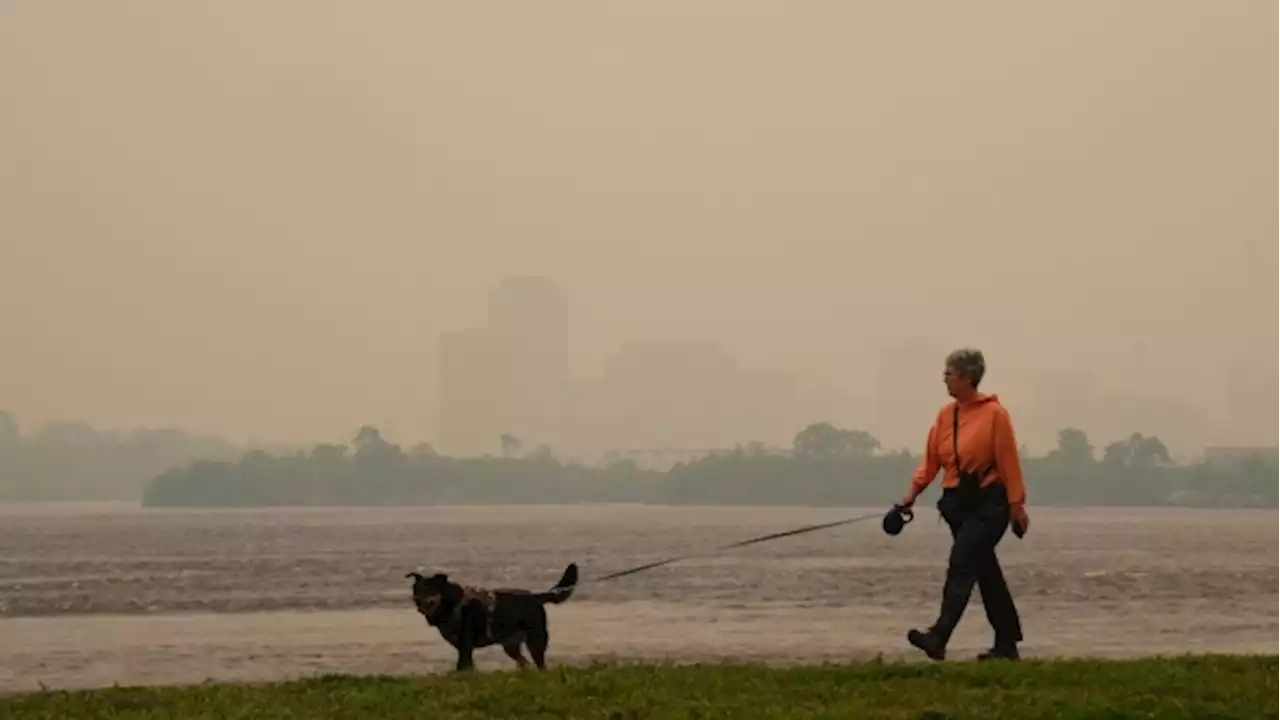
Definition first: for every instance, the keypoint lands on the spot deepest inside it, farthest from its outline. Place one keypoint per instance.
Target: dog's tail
(564, 588)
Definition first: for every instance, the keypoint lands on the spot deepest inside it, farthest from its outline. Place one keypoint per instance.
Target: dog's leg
(465, 662)
(513, 652)
(466, 640)
(537, 640)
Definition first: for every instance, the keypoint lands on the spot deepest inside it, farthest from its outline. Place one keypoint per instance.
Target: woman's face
(955, 381)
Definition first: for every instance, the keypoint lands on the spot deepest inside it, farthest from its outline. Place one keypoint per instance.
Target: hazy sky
(255, 217)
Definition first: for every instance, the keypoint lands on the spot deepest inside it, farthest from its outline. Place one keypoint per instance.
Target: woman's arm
(928, 468)
(1007, 463)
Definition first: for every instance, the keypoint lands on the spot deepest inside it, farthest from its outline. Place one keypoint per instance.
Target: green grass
(1199, 687)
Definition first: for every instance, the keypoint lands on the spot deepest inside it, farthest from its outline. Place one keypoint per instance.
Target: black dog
(470, 618)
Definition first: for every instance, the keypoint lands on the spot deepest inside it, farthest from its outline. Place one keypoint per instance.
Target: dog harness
(488, 599)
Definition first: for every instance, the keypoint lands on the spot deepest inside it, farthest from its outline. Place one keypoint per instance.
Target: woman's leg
(1002, 613)
(968, 550)
(973, 543)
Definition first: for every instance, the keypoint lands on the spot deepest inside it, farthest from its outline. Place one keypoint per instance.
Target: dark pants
(975, 534)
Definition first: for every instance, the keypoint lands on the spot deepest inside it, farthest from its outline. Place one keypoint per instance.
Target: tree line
(825, 466)
(73, 461)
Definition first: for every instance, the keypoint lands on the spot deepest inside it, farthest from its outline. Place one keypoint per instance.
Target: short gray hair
(968, 362)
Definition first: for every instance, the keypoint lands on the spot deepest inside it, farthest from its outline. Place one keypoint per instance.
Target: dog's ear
(414, 575)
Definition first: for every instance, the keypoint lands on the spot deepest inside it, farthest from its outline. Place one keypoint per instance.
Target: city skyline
(258, 223)
(642, 395)
(591, 418)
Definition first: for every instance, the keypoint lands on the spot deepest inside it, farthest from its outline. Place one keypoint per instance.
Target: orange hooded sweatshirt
(986, 441)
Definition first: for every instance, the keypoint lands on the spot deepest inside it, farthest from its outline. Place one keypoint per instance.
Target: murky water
(95, 595)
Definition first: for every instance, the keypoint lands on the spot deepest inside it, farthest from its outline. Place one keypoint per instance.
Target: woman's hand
(908, 500)
(1019, 520)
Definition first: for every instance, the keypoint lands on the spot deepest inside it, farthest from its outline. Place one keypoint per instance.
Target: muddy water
(97, 595)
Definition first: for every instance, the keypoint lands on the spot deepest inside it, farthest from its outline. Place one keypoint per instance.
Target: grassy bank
(1190, 687)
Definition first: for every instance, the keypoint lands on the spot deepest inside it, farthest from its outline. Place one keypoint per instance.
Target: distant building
(681, 394)
(1076, 399)
(529, 318)
(1181, 425)
(529, 324)
(511, 376)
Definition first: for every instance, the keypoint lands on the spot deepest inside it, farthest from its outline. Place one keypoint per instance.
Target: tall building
(677, 394)
(666, 393)
(529, 317)
(511, 376)
(529, 325)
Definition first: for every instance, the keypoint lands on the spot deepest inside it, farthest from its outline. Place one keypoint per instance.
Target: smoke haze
(257, 219)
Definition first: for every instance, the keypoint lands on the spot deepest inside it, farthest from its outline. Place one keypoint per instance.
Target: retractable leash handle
(897, 518)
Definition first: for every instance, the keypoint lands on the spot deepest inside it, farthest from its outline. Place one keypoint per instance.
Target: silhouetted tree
(824, 440)
(826, 466)
(74, 461)
(368, 438)
(9, 433)
(510, 445)
(1073, 448)
(423, 450)
(1137, 451)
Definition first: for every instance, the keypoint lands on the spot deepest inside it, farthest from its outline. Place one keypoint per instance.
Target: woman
(973, 439)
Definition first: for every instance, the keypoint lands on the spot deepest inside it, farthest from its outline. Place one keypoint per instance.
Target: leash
(724, 548)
